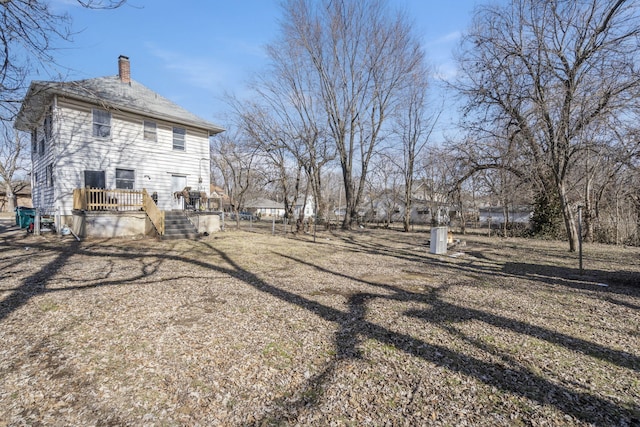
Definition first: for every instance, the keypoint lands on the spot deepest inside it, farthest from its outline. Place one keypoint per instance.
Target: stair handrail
(153, 212)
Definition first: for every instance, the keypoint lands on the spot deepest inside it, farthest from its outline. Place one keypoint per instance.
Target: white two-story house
(112, 133)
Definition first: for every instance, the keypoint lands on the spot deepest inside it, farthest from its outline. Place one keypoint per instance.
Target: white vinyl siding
(153, 162)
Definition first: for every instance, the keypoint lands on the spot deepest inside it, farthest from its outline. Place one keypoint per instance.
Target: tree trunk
(505, 216)
(637, 209)
(12, 199)
(569, 219)
(350, 208)
(407, 205)
(587, 212)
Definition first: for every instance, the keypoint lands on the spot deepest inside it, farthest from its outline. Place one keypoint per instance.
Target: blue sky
(192, 52)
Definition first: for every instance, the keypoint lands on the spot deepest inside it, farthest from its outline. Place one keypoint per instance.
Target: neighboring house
(22, 195)
(388, 208)
(495, 215)
(112, 133)
(265, 208)
(383, 209)
(308, 206)
(425, 190)
(218, 199)
(428, 212)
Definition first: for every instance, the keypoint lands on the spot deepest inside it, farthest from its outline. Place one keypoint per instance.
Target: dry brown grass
(358, 328)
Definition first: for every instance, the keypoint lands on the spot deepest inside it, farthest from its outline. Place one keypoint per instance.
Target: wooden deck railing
(96, 199)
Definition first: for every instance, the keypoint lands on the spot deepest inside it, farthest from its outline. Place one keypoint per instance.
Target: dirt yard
(360, 328)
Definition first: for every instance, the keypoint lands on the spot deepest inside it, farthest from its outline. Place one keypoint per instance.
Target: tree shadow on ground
(507, 375)
(480, 261)
(35, 284)
(513, 378)
(573, 277)
(610, 284)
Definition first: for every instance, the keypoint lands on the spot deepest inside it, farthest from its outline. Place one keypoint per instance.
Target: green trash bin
(17, 211)
(25, 217)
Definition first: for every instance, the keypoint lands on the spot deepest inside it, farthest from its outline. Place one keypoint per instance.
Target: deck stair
(178, 226)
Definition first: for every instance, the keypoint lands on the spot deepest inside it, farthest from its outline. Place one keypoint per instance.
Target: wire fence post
(580, 238)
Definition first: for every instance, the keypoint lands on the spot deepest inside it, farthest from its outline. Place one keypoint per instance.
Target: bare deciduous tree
(544, 73)
(385, 188)
(273, 141)
(29, 32)
(13, 159)
(286, 123)
(236, 161)
(438, 183)
(414, 126)
(358, 56)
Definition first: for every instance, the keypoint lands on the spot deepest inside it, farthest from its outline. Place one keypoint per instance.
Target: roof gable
(111, 93)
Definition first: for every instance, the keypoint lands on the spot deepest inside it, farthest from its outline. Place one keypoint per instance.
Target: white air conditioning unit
(438, 244)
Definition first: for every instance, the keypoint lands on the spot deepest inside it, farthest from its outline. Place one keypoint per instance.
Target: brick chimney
(124, 69)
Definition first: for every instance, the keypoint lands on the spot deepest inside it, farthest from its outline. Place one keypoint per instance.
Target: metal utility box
(438, 244)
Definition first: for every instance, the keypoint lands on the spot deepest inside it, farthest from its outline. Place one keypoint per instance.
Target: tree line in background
(549, 96)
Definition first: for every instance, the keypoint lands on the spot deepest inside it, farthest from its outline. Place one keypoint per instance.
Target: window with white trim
(178, 138)
(101, 123)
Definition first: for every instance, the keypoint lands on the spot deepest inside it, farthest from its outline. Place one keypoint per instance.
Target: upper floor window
(125, 178)
(178, 138)
(34, 140)
(150, 131)
(49, 175)
(48, 125)
(101, 123)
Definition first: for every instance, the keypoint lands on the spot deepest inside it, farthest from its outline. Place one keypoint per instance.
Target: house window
(34, 141)
(50, 175)
(150, 131)
(48, 125)
(94, 179)
(125, 179)
(101, 123)
(178, 138)
(42, 145)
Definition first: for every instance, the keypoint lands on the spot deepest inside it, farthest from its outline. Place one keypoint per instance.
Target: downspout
(58, 215)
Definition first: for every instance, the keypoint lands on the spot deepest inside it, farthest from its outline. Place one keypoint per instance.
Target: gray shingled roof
(264, 204)
(109, 92)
